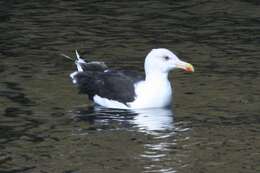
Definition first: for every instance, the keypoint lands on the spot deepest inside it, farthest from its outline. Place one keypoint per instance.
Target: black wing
(93, 66)
(115, 85)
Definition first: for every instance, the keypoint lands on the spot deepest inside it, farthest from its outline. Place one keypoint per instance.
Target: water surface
(46, 126)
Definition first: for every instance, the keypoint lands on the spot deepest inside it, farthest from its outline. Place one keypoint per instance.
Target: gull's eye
(166, 58)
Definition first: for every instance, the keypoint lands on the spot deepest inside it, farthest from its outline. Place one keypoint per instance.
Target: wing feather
(115, 85)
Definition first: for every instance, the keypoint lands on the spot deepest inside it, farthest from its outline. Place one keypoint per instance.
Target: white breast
(152, 94)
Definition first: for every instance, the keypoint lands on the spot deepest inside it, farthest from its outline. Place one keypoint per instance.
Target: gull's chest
(152, 94)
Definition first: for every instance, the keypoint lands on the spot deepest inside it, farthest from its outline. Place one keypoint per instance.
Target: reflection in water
(158, 123)
(150, 121)
(220, 103)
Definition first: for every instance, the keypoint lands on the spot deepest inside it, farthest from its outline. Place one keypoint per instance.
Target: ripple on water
(216, 117)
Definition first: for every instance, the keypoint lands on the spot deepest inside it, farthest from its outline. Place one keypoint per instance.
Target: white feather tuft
(77, 54)
(79, 61)
(72, 76)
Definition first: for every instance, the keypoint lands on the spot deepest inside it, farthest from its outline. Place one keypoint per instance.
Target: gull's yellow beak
(185, 66)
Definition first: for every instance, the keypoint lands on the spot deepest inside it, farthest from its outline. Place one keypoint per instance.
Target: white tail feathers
(72, 76)
(79, 61)
(77, 54)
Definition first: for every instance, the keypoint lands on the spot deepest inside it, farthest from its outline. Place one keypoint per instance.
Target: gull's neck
(156, 77)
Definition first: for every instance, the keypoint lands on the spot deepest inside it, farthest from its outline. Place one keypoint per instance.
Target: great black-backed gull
(123, 89)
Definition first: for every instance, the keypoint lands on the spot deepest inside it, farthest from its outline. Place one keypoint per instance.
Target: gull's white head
(163, 60)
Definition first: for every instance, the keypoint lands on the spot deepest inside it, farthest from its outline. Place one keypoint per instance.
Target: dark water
(45, 126)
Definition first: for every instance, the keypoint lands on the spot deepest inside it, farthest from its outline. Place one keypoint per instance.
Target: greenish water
(46, 127)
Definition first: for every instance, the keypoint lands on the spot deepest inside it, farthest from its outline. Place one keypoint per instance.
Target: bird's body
(129, 89)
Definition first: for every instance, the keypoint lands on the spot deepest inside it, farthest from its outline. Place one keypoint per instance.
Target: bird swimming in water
(122, 89)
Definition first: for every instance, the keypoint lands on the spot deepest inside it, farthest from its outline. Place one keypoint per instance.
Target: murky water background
(45, 126)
